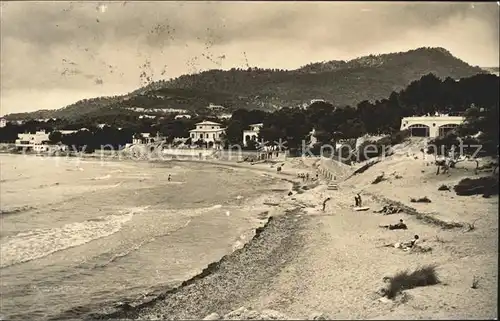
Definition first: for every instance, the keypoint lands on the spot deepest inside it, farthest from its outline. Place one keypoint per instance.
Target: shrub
(399, 137)
(375, 149)
(487, 185)
(424, 199)
(423, 276)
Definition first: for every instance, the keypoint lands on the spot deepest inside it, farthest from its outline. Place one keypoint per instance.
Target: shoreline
(222, 283)
(275, 221)
(304, 260)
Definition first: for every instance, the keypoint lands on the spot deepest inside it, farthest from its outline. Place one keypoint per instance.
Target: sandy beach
(306, 263)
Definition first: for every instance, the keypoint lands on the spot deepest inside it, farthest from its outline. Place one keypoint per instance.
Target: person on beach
(405, 246)
(397, 226)
(357, 200)
(169, 177)
(324, 203)
(307, 177)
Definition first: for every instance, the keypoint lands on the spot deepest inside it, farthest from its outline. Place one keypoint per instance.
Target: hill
(492, 70)
(339, 82)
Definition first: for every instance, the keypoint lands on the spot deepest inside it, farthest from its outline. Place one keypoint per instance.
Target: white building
(431, 126)
(146, 138)
(3, 122)
(29, 140)
(215, 107)
(182, 116)
(225, 116)
(67, 131)
(207, 131)
(252, 133)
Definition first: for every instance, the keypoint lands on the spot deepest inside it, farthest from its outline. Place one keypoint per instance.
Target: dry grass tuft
(470, 226)
(424, 199)
(404, 280)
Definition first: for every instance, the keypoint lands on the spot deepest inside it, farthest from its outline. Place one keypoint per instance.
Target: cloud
(109, 42)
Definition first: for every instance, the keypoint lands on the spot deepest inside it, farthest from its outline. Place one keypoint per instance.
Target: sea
(81, 234)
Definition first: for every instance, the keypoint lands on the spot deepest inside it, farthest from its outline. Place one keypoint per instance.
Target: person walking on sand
(324, 203)
(169, 177)
(357, 200)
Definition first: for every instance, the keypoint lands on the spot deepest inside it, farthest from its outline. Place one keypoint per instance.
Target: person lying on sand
(324, 203)
(405, 246)
(397, 226)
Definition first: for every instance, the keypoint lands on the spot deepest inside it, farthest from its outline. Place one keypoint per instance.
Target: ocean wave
(109, 258)
(16, 210)
(36, 244)
(101, 177)
(75, 169)
(5, 180)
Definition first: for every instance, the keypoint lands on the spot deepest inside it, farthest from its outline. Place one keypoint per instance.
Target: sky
(55, 53)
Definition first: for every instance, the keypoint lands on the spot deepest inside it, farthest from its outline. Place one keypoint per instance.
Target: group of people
(306, 177)
(405, 246)
(398, 226)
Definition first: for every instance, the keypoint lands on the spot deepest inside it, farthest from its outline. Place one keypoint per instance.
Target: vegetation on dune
(487, 186)
(406, 280)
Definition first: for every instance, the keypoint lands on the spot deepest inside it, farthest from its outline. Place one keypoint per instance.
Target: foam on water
(101, 177)
(36, 244)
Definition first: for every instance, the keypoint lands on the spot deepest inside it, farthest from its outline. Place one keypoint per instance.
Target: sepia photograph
(249, 160)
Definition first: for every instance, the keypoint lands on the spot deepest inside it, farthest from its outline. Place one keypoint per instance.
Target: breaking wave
(39, 243)
(15, 210)
(101, 177)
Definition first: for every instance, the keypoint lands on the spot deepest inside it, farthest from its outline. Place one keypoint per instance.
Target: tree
(55, 137)
(234, 133)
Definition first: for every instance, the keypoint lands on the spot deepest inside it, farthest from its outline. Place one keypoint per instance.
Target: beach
(80, 234)
(305, 263)
(310, 264)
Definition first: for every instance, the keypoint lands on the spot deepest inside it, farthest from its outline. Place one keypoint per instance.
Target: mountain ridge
(340, 82)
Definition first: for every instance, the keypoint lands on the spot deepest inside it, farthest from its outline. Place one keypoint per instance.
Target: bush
(423, 276)
(370, 149)
(382, 146)
(487, 185)
(443, 188)
(399, 137)
(424, 199)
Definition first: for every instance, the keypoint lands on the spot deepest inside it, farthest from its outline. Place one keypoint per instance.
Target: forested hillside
(341, 83)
